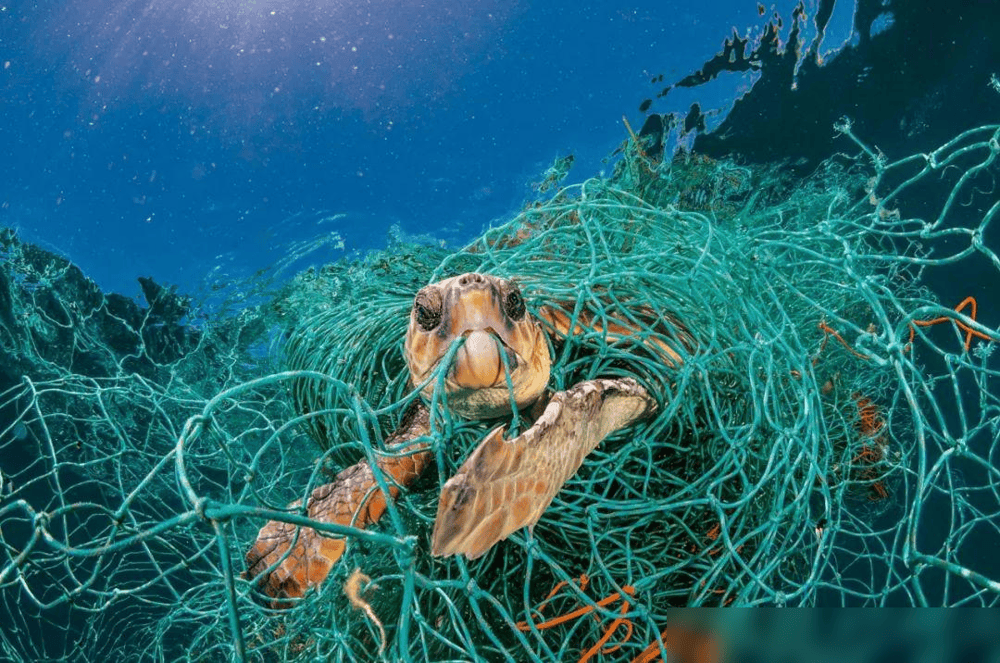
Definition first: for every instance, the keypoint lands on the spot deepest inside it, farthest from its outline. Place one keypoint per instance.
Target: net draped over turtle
(825, 403)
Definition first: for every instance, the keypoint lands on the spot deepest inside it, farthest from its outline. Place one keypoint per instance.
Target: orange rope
(579, 612)
(689, 646)
(628, 636)
(969, 331)
(870, 421)
(562, 619)
(584, 581)
(829, 330)
(590, 653)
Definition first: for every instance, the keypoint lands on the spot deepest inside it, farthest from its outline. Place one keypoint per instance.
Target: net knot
(41, 521)
(200, 506)
(404, 554)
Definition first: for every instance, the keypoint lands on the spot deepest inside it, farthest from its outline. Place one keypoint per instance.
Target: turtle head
(489, 313)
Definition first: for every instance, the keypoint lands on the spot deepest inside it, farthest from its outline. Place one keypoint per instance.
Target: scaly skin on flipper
(505, 485)
(352, 498)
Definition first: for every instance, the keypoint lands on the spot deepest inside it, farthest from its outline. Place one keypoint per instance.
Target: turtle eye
(427, 312)
(513, 305)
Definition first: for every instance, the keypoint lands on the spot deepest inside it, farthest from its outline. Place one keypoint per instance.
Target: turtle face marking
(489, 312)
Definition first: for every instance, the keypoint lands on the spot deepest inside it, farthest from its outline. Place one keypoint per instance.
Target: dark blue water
(164, 140)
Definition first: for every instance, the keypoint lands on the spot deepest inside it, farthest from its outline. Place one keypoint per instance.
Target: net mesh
(831, 438)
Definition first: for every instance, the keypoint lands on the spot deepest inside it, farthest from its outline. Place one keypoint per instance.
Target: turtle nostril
(466, 279)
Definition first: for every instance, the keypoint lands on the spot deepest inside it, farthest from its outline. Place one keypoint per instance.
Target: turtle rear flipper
(505, 485)
(287, 560)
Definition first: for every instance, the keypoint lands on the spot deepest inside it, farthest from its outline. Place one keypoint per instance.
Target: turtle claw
(505, 485)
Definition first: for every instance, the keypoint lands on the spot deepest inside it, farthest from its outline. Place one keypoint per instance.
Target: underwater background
(172, 140)
(194, 158)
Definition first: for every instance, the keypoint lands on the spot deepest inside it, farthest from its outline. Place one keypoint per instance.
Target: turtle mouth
(503, 360)
(479, 363)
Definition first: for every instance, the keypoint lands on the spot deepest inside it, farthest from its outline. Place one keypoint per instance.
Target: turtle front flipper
(352, 498)
(507, 484)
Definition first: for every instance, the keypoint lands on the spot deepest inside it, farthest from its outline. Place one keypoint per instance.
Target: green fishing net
(831, 437)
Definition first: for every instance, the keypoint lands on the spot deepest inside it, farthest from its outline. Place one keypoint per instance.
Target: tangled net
(832, 437)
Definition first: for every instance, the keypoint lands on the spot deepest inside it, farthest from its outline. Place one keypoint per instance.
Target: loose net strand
(831, 435)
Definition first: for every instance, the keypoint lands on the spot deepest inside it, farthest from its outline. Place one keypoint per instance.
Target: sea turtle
(504, 484)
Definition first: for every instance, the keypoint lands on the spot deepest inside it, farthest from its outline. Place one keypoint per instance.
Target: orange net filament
(969, 331)
(830, 331)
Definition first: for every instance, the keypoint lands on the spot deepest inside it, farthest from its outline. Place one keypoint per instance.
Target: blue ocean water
(142, 139)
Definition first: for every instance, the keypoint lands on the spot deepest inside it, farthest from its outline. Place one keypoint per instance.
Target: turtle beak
(494, 346)
(478, 363)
